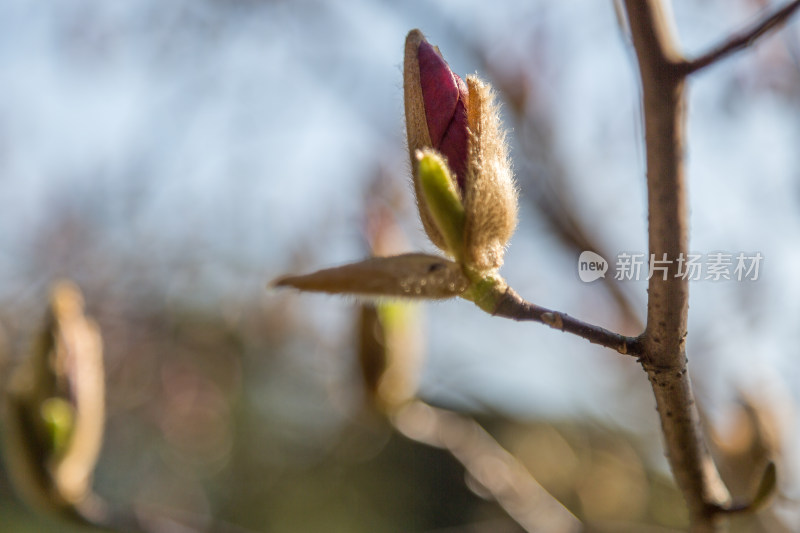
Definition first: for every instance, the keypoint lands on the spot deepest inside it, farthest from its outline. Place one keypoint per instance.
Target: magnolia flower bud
(461, 122)
(464, 188)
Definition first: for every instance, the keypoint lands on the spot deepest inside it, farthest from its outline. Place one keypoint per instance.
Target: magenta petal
(445, 95)
(454, 145)
(439, 91)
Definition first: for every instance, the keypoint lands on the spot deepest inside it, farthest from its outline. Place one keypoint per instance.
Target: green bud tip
(58, 416)
(442, 200)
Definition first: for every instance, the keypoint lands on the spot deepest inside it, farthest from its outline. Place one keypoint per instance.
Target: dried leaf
(405, 276)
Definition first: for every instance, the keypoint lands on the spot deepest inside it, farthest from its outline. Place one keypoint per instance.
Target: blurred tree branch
(744, 38)
(499, 472)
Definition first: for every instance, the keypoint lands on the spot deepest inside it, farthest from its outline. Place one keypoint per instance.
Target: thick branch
(744, 38)
(664, 103)
(511, 305)
(663, 76)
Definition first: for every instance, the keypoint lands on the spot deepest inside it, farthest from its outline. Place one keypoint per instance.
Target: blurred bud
(747, 450)
(462, 123)
(54, 409)
(389, 354)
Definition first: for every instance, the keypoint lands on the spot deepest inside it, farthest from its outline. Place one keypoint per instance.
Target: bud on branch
(464, 188)
(462, 123)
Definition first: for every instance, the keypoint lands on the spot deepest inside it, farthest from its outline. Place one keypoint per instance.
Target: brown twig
(742, 39)
(512, 306)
